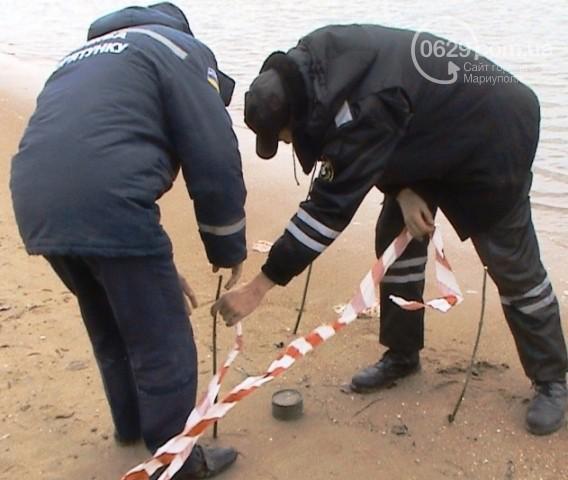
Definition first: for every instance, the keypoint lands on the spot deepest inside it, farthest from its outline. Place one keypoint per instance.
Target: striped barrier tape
(447, 283)
(175, 452)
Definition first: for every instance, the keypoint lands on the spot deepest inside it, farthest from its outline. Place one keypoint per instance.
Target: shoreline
(25, 78)
(53, 405)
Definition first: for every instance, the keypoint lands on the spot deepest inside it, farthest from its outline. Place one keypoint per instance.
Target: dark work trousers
(142, 339)
(511, 253)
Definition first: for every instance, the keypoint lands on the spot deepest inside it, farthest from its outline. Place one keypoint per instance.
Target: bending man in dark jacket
(113, 126)
(366, 102)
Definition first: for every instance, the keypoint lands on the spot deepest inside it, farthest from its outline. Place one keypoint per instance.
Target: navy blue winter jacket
(113, 125)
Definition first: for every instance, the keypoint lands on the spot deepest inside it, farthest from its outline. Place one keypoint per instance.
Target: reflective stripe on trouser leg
(400, 330)
(511, 253)
(403, 330)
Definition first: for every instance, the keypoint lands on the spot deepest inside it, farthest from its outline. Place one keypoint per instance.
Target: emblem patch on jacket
(326, 171)
(212, 78)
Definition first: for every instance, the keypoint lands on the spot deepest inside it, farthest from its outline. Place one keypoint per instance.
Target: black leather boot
(391, 367)
(204, 462)
(546, 412)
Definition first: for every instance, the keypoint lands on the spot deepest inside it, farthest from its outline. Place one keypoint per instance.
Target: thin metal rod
(217, 295)
(307, 284)
(452, 416)
(304, 296)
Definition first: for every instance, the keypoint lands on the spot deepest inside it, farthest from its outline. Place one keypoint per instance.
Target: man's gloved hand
(417, 216)
(236, 273)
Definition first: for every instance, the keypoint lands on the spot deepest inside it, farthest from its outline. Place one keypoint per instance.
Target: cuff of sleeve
(225, 252)
(286, 259)
(279, 277)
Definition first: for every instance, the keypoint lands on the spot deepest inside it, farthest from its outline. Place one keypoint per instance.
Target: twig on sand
(370, 404)
(452, 416)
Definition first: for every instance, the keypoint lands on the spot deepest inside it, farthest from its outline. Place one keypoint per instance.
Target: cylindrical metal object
(287, 404)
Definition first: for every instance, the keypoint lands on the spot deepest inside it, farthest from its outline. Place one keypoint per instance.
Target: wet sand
(54, 423)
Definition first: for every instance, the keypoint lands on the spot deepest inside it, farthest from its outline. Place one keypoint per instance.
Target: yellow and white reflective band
(317, 225)
(222, 231)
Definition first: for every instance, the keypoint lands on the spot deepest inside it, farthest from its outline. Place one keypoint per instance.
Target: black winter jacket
(113, 125)
(465, 142)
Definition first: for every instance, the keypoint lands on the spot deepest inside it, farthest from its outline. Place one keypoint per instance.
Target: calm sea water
(528, 38)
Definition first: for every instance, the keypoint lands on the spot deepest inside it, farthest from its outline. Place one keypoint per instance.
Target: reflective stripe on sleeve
(223, 231)
(303, 238)
(163, 40)
(317, 225)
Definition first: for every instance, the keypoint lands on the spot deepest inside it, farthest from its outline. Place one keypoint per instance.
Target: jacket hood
(332, 62)
(159, 14)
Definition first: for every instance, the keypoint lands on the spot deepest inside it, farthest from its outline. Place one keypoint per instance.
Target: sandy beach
(54, 422)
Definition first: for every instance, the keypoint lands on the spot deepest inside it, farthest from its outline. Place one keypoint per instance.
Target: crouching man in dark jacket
(114, 124)
(368, 103)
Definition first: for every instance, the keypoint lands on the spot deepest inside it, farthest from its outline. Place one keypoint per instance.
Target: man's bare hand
(236, 273)
(188, 295)
(236, 305)
(417, 216)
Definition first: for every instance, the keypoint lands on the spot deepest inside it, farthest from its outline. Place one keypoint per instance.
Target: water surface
(528, 38)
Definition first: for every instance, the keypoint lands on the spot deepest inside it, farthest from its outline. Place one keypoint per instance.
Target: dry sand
(54, 419)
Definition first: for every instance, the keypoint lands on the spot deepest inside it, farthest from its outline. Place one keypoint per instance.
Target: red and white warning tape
(175, 452)
(447, 283)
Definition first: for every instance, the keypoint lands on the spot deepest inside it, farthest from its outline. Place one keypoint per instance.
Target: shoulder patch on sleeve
(326, 172)
(344, 115)
(212, 78)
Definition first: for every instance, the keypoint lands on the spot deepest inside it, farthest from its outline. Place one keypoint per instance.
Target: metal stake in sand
(452, 416)
(217, 295)
(304, 296)
(306, 286)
